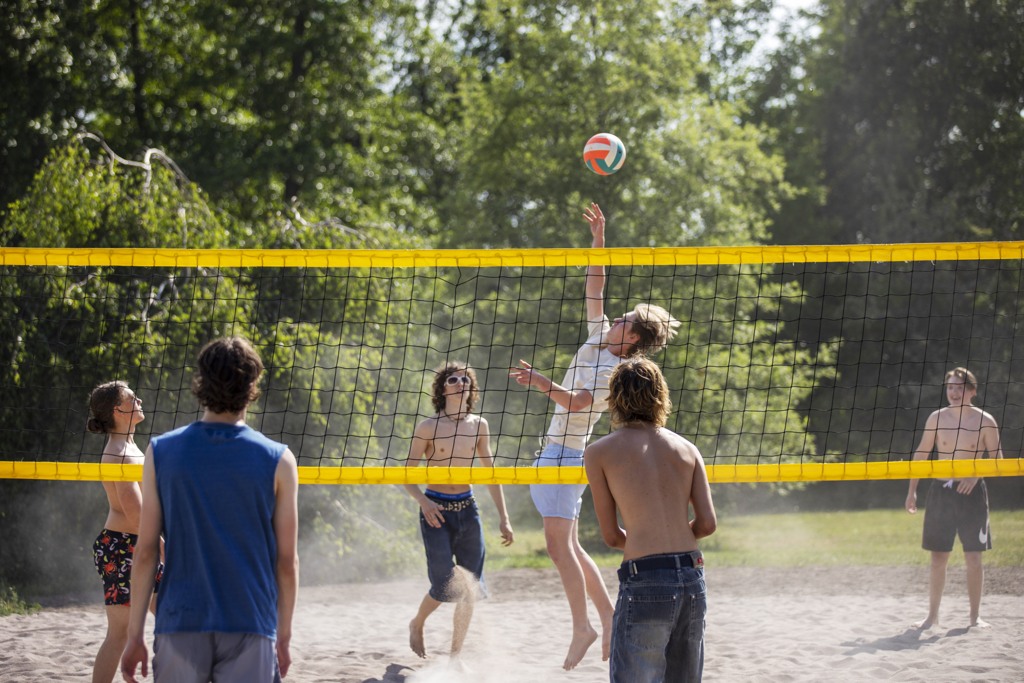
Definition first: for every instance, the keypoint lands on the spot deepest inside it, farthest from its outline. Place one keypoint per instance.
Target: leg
(936, 585)
(975, 585)
(460, 624)
(558, 534)
(596, 589)
(109, 655)
(427, 607)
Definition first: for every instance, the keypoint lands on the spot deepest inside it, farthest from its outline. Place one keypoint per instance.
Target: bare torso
(123, 498)
(960, 432)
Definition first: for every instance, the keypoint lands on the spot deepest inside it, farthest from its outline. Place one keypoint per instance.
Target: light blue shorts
(558, 500)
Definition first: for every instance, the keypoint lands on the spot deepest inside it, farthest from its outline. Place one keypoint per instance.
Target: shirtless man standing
(650, 476)
(449, 517)
(960, 431)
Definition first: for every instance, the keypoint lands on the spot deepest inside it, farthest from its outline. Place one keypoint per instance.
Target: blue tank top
(216, 487)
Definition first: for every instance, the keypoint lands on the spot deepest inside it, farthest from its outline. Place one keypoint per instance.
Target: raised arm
(286, 533)
(573, 401)
(595, 274)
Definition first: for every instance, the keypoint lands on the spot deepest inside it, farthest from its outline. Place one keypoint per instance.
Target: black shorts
(948, 514)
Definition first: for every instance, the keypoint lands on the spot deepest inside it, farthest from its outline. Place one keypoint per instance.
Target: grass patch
(10, 603)
(869, 537)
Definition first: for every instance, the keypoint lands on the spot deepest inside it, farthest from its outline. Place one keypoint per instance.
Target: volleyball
(604, 154)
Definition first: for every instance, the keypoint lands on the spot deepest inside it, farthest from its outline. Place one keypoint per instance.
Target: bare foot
(416, 639)
(581, 641)
(981, 623)
(926, 624)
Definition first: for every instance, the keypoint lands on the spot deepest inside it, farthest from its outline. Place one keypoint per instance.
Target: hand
(965, 486)
(135, 653)
(284, 656)
(596, 220)
(507, 535)
(911, 503)
(432, 513)
(526, 375)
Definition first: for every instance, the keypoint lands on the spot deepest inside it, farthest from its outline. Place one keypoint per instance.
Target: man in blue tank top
(224, 497)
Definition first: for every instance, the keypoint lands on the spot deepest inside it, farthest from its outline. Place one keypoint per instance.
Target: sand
(807, 624)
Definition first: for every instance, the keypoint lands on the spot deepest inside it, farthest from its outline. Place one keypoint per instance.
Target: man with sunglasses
(449, 517)
(580, 399)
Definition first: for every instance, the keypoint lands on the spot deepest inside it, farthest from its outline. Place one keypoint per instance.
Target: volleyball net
(795, 363)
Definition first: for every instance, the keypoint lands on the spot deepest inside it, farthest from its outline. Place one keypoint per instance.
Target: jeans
(460, 540)
(658, 628)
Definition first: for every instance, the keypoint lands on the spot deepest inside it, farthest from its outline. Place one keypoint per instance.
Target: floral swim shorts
(112, 553)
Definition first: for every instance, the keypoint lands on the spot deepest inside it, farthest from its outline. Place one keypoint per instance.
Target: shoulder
(986, 418)
(426, 427)
(478, 420)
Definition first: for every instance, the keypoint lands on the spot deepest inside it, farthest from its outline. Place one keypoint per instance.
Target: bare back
(651, 475)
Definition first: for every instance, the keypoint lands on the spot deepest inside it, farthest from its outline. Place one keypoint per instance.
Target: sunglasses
(455, 379)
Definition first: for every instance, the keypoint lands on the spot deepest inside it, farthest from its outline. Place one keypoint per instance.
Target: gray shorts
(205, 657)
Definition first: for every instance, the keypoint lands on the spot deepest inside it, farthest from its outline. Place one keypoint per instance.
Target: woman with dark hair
(115, 411)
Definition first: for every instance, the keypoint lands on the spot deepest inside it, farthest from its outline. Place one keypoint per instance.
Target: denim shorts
(658, 627)
(459, 541)
(558, 500)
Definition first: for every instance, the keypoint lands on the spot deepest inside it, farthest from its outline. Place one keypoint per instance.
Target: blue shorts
(658, 627)
(558, 500)
(459, 541)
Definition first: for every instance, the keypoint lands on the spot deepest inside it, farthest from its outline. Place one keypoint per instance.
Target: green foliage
(10, 603)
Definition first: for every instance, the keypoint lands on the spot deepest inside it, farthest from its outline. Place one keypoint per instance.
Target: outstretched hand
(527, 376)
(596, 219)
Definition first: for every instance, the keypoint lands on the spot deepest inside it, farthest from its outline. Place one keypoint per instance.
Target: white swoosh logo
(983, 535)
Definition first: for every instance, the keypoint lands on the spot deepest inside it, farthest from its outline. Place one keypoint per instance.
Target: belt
(454, 505)
(653, 562)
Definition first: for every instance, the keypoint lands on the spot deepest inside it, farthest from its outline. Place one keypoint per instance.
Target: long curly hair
(441, 375)
(638, 393)
(227, 375)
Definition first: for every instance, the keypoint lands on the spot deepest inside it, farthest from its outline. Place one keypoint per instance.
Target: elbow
(704, 527)
(615, 539)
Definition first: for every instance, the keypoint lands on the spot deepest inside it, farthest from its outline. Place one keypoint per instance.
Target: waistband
(692, 559)
(436, 495)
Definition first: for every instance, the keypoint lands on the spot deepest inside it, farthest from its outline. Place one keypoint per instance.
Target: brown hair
(441, 376)
(102, 401)
(655, 326)
(638, 393)
(227, 373)
(969, 380)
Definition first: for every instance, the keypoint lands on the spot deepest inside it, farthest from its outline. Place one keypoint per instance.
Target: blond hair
(655, 326)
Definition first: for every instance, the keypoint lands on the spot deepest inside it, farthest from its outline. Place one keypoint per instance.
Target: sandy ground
(807, 624)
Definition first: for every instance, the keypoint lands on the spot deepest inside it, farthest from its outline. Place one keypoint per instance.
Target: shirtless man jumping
(449, 518)
(960, 431)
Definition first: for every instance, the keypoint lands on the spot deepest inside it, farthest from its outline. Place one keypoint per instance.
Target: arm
(286, 532)
(604, 503)
(595, 274)
(144, 560)
(420, 450)
(704, 521)
(924, 449)
(486, 458)
(573, 401)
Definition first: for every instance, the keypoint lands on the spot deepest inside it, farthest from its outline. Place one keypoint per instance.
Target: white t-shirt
(590, 369)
